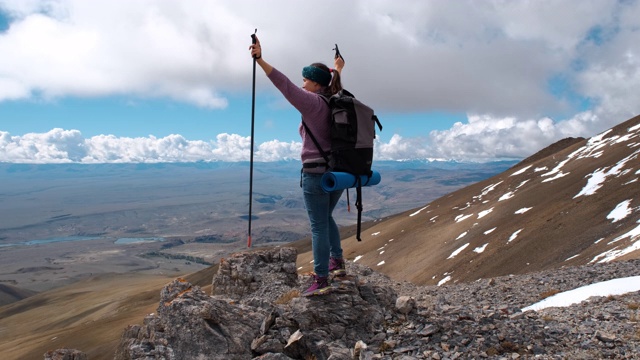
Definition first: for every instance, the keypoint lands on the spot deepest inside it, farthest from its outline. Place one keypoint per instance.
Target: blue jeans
(325, 236)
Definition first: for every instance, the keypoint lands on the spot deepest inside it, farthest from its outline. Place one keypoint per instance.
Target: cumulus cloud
(525, 73)
(69, 146)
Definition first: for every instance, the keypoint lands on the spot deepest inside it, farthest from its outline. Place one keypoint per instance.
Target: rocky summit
(255, 311)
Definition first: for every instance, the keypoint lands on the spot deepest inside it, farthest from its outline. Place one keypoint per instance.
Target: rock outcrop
(65, 354)
(255, 311)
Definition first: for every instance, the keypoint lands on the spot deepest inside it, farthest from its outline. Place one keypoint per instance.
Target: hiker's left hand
(256, 49)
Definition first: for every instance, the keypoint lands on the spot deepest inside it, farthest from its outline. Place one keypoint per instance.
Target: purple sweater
(315, 112)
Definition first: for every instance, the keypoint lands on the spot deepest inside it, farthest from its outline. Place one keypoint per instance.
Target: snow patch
(445, 280)
(615, 253)
(575, 296)
(480, 249)
(489, 188)
(633, 234)
(458, 251)
(621, 211)
(484, 213)
(418, 212)
(514, 236)
(558, 176)
(558, 167)
(489, 231)
(507, 196)
(597, 178)
(462, 217)
(521, 171)
(523, 210)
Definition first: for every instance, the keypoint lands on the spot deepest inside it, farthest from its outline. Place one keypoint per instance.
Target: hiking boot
(336, 267)
(320, 286)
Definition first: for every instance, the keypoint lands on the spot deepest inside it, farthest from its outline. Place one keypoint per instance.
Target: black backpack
(353, 129)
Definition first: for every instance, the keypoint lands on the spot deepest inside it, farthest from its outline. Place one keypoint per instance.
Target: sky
(160, 80)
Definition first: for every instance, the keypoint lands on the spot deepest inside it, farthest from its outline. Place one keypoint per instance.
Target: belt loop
(301, 171)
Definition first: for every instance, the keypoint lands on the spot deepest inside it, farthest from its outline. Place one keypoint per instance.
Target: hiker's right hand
(338, 64)
(256, 50)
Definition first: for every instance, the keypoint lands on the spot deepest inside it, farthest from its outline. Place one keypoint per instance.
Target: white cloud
(65, 146)
(493, 60)
(399, 148)
(487, 137)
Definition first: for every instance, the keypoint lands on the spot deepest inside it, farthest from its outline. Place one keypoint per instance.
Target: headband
(316, 74)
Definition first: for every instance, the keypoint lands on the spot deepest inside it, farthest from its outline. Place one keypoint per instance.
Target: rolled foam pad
(333, 181)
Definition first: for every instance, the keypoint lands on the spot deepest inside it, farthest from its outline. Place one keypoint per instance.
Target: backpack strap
(324, 154)
(375, 118)
(359, 207)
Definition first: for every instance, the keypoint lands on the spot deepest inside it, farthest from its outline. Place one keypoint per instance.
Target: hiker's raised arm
(256, 52)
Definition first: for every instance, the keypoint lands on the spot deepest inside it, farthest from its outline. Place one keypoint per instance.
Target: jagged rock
(257, 277)
(328, 326)
(256, 311)
(65, 354)
(191, 325)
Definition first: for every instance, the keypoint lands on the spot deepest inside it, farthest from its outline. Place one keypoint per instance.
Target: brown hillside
(9, 294)
(89, 315)
(550, 150)
(538, 215)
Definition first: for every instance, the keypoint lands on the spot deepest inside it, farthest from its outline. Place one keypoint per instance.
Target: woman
(317, 81)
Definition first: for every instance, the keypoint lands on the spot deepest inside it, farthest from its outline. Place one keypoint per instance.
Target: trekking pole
(253, 110)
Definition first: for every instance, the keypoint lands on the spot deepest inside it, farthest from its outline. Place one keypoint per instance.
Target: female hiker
(317, 80)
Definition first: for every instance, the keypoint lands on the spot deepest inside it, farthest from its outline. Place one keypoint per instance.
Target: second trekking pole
(253, 110)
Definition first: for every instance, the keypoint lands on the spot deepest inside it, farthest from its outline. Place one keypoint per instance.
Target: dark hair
(336, 84)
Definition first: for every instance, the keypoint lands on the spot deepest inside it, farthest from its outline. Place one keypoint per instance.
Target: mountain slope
(9, 294)
(576, 205)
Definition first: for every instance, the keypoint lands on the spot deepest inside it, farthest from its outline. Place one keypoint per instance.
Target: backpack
(352, 134)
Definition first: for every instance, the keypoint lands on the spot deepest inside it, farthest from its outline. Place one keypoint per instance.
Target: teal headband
(316, 74)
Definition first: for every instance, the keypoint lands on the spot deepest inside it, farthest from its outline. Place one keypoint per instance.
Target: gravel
(484, 319)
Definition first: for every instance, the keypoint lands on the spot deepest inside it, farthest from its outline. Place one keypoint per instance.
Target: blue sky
(128, 117)
(172, 82)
